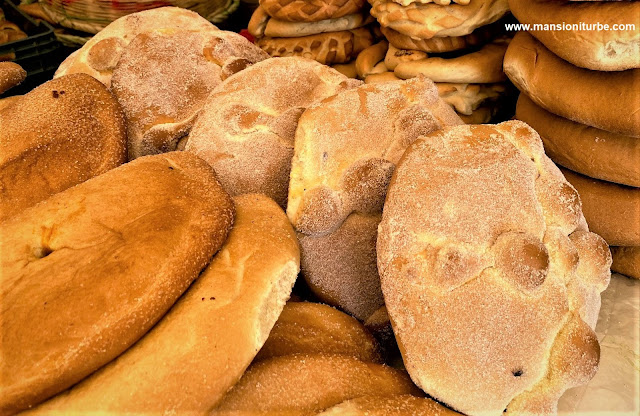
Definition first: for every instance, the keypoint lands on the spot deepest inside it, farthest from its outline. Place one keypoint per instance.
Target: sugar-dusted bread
(163, 79)
(246, 129)
(100, 55)
(203, 345)
(58, 135)
(310, 10)
(309, 328)
(311, 383)
(395, 405)
(490, 277)
(11, 74)
(87, 272)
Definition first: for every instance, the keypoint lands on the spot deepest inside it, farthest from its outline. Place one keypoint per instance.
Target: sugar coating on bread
(56, 136)
(310, 10)
(346, 148)
(311, 382)
(246, 129)
(11, 74)
(481, 235)
(309, 328)
(117, 251)
(99, 56)
(396, 405)
(163, 79)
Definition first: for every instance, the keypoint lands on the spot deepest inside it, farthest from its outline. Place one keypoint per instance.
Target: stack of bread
(458, 45)
(160, 285)
(579, 89)
(328, 31)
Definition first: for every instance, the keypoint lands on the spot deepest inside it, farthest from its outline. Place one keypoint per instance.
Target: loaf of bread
(87, 272)
(11, 74)
(203, 345)
(58, 135)
(246, 129)
(490, 277)
(311, 328)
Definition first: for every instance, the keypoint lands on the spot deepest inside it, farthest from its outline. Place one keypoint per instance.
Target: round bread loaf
(114, 264)
(310, 10)
(608, 101)
(588, 150)
(100, 55)
(246, 129)
(490, 277)
(163, 79)
(229, 311)
(310, 383)
(626, 260)
(586, 45)
(481, 67)
(310, 328)
(425, 21)
(340, 267)
(347, 145)
(327, 48)
(612, 210)
(11, 74)
(396, 405)
(282, 29)
(440, 44)
(58, 135)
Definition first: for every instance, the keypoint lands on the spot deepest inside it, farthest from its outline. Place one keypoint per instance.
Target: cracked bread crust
(481, 235)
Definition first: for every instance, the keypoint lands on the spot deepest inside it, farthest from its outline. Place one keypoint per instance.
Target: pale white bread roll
(205, 342)
(348, 69)
(100, 55)
(114, 264)
(466, 98)
(11, 74)
(425, 21)
(327, 48)
(612, 210)
(396, 405)
(490, 277)
(310, 328)
(347, 145)
(58, 135)
(442, 44)
(396, 56)
(311, 383)
(593, 152)
(626, 260)
(369, 60)
(246, 129)
(310, 10)
(483, 66)
(282, 29)
(608, 101)
(340, 267)
(596, 49)
(163, 79)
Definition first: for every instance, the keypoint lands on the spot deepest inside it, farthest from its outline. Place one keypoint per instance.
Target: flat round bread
(439, 44)
(310, 10)
(282, 29)
(490, 277)
(117, 251)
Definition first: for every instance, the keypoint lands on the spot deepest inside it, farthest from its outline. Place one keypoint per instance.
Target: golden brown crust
(481, 115)
(587, 150)
(310, 10)
(368, 60)
(58, 330)
(230, 309)
(326, 48)
(476, 231)
(282, 29)
(348, 69)
(569, 91)
(11, 74)
(309, 328)
(467, 98)
(600, 50)
(381, 77)
(437, 44)
(425, 21)
(311, 382)
(10, 32)
(58, 135)
(397, 405)
(259, 109)
(612, 210)
(626, 260)
(395, 56)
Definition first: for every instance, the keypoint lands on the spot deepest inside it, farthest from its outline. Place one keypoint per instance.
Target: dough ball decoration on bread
(163, 79)
(114, 264)
(481, 235)
(246, 129)
(202, 346)
(345, 151)
(100, 55)
(591, 48)
(58, 135)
